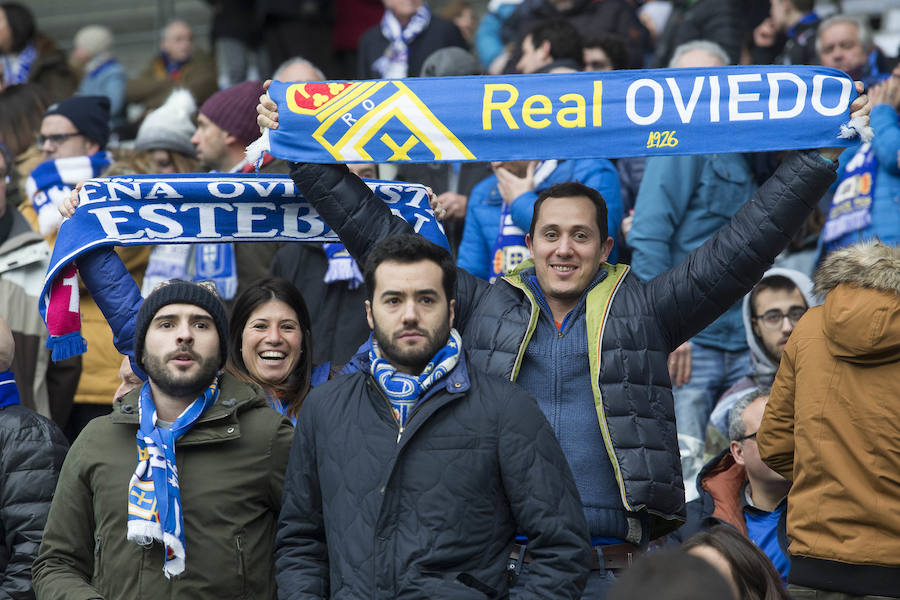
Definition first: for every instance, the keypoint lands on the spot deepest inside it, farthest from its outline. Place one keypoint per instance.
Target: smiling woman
(270, 342)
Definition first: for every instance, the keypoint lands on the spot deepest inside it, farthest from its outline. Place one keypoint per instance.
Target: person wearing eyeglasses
(738, 489)
(72, 139)
(770, 312)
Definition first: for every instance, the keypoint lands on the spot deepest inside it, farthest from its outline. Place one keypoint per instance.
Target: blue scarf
(17, 67)
(9, 393)
(561, 115)
(394, 63)
(341, 266)
(851, 206)
(154, 497)
(509, 248)
(172, 66)
(404, 391)
(215, 262)
(52, 181)
(193, 209)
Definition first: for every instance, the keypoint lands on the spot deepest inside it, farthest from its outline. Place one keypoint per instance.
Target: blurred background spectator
(408, 34)
(27, 55)
(101, 74)
(177, 64)
(296, 28)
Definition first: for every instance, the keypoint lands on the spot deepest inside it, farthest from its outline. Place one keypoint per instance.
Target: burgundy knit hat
(234, 110)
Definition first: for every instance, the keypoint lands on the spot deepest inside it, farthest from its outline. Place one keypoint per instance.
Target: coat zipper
(400, 428)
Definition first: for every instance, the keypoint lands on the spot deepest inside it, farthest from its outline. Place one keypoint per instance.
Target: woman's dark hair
(292, 390)
(22, 109)
(753, 572)
(21, 23)
(671, 574)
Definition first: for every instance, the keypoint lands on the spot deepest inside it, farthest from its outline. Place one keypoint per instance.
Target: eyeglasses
(55, 139)
(752, 436)
(772, 319)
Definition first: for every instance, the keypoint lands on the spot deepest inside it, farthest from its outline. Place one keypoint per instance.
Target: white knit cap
(170, 126)
(94, 39)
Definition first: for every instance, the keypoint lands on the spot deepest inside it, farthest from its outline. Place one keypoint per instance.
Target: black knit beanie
(178, 291)
(89, 115)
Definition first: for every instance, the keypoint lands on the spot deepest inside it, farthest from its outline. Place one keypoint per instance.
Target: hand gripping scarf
(154, 498)
(404, 391)
(562, 115)
(192, 209)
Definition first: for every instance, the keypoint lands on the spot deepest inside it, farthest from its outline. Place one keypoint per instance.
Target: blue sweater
(483, 212)
(555, 370)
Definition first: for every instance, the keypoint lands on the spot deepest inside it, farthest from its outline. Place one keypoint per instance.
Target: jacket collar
(722, 480)
(454, 382)
(218, 423)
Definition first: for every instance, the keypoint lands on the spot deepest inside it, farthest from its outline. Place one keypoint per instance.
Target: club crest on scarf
(404, 391)
(154, 496)
(311, 98)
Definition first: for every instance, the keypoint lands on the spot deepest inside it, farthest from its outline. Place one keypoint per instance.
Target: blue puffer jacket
(483, 213)
(644, 321)
(682, 202)
(886, 198)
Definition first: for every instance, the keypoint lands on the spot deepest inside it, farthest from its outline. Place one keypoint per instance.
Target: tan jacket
(153, 85)
(100, 364)
(832, 423)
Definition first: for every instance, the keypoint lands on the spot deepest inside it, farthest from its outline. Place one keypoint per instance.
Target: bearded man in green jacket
(176, 493)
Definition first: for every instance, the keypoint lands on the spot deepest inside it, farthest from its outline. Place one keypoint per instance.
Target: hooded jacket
(832, 424)
(635, 327)
(762, 367)
(231, 467)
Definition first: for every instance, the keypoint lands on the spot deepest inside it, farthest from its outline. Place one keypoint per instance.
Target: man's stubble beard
(156, 371)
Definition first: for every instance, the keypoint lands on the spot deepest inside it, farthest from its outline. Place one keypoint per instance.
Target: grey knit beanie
(170, 126)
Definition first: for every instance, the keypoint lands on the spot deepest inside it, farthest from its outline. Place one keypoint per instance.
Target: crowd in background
(68, 118)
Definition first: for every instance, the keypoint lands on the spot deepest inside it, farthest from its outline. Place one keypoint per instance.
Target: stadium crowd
(641, 377)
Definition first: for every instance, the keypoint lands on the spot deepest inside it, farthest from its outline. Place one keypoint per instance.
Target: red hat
(234, 110)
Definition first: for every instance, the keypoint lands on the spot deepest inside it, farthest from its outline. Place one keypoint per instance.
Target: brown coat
(832, 423)
(153, 85)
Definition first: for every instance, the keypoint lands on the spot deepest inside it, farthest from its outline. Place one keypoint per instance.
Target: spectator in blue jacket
(684, 200)
(103, 75)
(516, 185)
(488, 42)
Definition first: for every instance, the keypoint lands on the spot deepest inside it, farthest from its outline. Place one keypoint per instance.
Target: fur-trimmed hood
(861, 321)
(869, 264)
